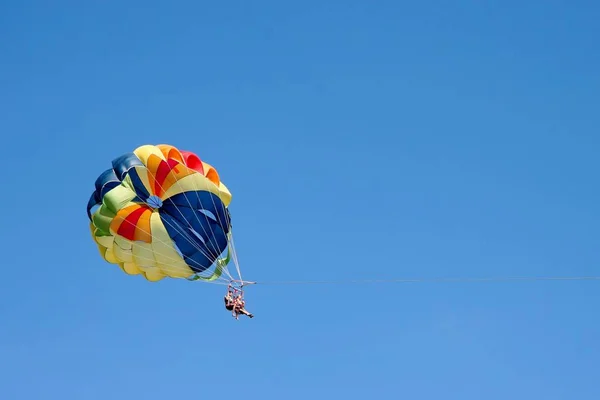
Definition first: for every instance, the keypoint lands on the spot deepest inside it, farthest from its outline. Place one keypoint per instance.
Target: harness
(236, 300)
(235, 293)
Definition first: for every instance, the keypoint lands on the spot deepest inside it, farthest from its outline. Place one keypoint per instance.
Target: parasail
(163, 212)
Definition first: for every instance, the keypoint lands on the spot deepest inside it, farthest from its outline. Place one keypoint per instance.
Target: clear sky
(360, 140)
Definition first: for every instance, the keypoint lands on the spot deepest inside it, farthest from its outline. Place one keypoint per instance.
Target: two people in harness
(234, 302)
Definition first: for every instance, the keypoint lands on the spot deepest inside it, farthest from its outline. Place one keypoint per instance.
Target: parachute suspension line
(220, 263)
(223, 225)
(234, 256)
(219, 280)
(171, 269)
(435, 280)
(223, 265)
(232, 253)
(220, 267)
(213, 253)
(222, 281)
(187, 237)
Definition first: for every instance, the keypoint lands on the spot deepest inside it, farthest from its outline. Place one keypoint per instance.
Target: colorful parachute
(161, 212)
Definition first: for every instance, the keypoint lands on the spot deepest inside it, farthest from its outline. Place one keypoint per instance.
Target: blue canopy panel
(138, 186)
(122, 164)
(199, 204)
(111, 178)
(199, 247)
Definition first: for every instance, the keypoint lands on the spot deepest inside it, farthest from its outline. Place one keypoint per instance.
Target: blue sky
(361, 140)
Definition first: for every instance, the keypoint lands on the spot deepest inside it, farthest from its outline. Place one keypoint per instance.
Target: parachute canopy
(162, 212)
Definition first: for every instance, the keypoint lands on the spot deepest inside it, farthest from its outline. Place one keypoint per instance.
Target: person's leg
(245, 312)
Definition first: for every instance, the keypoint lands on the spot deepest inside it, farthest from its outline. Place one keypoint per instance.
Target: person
(229, 300)
(235, 303)
(239, 308)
